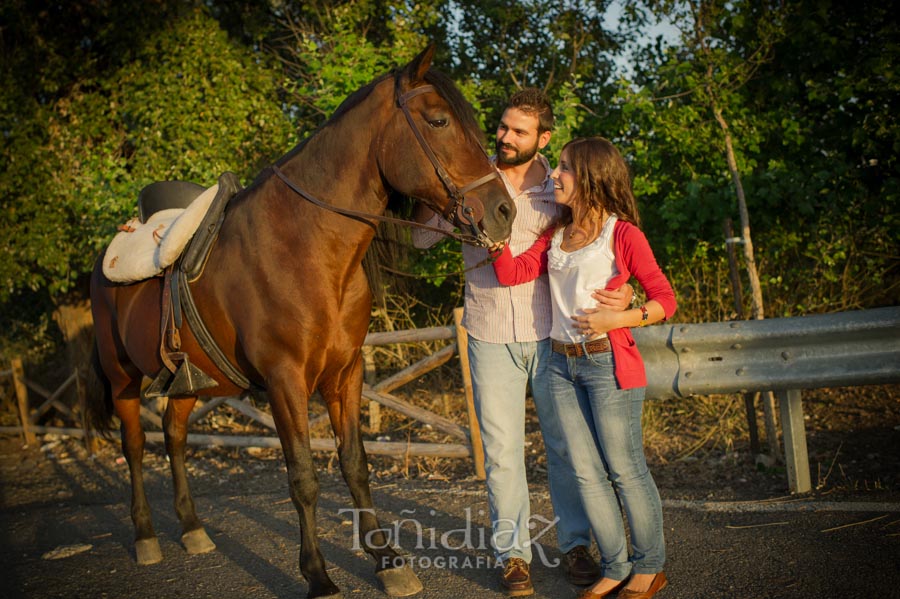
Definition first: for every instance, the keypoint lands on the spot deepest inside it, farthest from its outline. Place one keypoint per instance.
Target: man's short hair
(532, 100)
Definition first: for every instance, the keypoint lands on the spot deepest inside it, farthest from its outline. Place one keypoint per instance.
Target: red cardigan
(633, 257)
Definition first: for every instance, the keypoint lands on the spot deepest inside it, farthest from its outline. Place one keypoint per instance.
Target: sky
(666, 29)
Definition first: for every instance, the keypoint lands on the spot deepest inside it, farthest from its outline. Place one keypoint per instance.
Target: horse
(284, 297)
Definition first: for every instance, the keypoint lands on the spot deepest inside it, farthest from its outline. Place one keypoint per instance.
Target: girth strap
(203, 336)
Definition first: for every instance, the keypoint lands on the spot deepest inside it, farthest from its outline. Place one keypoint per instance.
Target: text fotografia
(503, 538)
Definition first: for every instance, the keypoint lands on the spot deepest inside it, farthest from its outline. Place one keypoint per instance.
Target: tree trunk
(755, 288)
(768, 398)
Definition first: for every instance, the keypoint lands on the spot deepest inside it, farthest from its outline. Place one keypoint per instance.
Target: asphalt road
(782, 548)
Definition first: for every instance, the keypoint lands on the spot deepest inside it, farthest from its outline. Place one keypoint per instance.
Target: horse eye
(438, 123)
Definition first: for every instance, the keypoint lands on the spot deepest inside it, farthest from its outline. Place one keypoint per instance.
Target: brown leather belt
(596, 346)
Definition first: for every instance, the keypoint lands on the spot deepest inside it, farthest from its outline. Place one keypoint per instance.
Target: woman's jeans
(601, 424)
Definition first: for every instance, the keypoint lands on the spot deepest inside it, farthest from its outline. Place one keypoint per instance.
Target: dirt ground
(55, 497)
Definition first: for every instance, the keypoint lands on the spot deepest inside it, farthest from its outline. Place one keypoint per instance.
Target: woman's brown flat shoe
(589, 595)
(656, 585)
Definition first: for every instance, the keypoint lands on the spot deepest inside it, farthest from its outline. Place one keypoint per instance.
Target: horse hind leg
(175, 424)
(146, 544)
(391, 569)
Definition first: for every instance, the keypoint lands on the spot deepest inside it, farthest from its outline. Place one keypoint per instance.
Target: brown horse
(284, 296)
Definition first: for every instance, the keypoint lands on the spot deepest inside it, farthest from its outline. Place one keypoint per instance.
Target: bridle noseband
(459, 212)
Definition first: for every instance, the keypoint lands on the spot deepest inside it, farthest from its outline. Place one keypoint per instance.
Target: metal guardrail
(784, 355)
(807, 352)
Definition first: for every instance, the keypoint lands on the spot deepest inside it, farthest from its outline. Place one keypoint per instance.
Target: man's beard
(520, 157)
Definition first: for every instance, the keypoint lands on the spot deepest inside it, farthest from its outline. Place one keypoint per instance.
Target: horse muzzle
(469, 215)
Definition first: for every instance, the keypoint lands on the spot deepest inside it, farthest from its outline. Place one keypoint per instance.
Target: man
(509, 348)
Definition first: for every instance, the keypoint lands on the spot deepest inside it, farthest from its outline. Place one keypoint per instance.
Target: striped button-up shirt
(495, 313)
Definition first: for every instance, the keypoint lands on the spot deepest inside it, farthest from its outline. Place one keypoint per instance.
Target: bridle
(459, 211)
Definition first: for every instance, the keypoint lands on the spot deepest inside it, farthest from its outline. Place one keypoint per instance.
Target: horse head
(452, 174)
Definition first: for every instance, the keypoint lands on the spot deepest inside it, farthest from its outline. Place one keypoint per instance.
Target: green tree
(187, 104)
(784, 149)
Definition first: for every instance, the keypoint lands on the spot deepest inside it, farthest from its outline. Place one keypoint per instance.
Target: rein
(366, 217)
(458, 212)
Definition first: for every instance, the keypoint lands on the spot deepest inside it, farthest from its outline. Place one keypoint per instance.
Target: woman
(597, 377)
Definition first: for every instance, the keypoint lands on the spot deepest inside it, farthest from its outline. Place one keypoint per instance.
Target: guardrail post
(795, 454)
(18, 374)
(462, 345)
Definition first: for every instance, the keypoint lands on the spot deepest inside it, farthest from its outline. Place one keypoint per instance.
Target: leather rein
(458, 211)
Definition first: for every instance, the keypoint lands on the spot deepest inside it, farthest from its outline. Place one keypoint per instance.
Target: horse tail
(99, 401)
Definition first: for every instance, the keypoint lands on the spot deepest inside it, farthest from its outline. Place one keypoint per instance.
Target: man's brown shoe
(581, 569)
(656, 585)
(516, 578)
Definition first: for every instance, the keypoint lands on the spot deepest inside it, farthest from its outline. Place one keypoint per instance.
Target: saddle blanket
(143, 250)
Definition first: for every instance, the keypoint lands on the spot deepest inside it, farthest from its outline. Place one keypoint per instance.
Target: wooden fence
(785, 355)
(378, 393)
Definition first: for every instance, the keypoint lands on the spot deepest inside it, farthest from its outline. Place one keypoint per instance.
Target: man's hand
(617, 299)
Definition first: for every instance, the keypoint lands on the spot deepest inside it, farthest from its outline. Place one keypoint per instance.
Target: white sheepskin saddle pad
(143, 250)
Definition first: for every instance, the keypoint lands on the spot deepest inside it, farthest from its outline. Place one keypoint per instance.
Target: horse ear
(419, 65)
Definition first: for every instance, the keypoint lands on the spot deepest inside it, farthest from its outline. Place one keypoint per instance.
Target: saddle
(179, 376)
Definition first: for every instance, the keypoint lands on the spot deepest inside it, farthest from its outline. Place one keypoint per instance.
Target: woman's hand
(596, 321)
(498, 246)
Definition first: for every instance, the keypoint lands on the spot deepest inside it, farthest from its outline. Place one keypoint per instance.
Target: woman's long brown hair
(603, 181)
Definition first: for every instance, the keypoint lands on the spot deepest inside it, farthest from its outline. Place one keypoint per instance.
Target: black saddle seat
(164, 195)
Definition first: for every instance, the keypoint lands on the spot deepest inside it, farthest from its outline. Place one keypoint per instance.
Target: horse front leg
(291, 421)
(146, 545)
(175, 425)
(343, 399)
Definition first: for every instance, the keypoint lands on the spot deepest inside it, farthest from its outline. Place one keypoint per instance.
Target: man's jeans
(500, 375)
(601, 425)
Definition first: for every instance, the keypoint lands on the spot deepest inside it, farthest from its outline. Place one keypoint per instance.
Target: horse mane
(445, 87)
(461, 107)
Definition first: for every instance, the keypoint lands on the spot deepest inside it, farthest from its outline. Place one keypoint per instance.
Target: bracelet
(644, 316)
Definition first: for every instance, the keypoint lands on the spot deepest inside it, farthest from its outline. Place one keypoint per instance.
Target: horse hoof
(197, 541)
(148, 551)
(399, 582)
(332, 593)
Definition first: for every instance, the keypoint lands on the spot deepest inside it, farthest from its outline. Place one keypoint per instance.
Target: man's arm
(424, 238)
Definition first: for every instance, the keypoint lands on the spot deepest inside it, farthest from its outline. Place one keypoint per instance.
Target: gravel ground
(67, 531)
(732, 529)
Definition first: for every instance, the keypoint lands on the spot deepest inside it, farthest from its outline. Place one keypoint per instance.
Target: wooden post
(369, 374)
(768, 403)
(18, 374)
(462, 343)
(749, 398)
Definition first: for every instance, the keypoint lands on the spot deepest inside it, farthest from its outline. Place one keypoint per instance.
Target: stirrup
(157, 388)
(187, 380)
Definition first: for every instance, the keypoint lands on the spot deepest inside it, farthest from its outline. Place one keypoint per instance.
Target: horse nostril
(504, 210)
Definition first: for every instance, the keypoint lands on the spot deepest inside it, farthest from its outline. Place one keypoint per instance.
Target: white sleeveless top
(574, 276)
